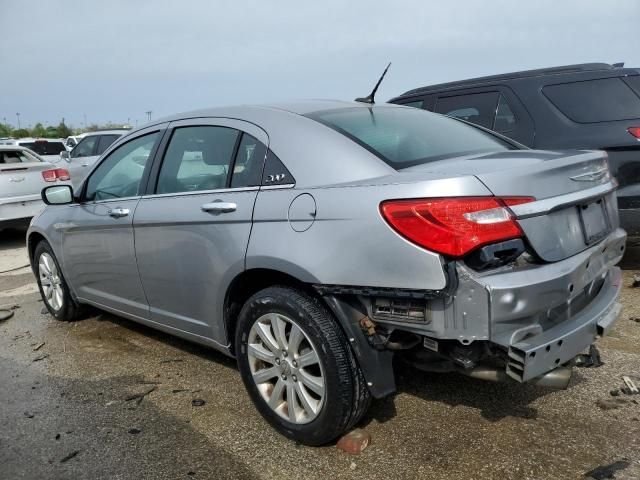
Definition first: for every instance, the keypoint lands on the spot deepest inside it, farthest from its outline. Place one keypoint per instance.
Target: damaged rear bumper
(546, 315)
(538, 354)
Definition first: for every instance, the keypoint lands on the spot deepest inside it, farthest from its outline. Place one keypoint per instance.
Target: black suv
(587, 106)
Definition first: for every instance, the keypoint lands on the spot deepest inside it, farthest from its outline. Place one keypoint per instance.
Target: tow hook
(588, 360)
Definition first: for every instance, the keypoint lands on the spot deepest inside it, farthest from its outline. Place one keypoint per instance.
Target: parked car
(315, 240)
(586, 106)
(71, 141)
(88, 149)
(47, 149)
(23, 174)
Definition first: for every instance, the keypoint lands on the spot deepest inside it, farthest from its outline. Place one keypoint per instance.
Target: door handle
(118, 212)
(219, 207)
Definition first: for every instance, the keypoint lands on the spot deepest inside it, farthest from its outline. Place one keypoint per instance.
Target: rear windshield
(404, 137)
(17, 156)
(43, 147)
(591, 101)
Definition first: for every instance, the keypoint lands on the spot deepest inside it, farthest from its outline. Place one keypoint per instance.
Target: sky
(113, 60)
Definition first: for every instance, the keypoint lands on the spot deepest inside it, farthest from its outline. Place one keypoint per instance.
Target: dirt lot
(107, 398)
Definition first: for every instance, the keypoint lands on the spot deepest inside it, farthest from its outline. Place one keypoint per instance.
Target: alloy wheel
(286, 368)
(50, 281)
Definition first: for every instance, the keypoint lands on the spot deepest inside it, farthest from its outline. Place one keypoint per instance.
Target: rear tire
(52, 285)
(311, 379)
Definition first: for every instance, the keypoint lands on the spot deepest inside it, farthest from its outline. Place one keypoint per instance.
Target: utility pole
(18, 115)
(149, 112)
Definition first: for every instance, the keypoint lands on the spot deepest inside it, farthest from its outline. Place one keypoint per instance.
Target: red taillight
(56, 174)
(454, 226)
(635, 131)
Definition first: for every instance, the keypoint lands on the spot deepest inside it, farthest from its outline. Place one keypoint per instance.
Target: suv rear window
(43, 147)
(591, 101)
(404, 137)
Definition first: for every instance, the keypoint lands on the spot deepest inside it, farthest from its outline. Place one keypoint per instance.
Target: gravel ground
(107, 398)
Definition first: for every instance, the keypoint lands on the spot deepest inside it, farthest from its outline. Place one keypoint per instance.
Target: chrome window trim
(278, 187)
(201, 192)
(100, 202)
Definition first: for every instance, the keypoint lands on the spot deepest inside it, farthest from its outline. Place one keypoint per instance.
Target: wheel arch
(376, 365)
(33, 239)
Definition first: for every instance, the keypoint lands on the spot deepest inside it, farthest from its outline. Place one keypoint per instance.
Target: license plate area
(594, 220)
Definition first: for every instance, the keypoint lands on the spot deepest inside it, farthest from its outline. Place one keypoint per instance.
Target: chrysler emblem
(592, 176)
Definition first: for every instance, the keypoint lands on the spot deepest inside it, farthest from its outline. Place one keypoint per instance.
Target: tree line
(41, 131)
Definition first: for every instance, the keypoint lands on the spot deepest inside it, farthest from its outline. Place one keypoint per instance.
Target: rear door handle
(219, 207)
(118, 212)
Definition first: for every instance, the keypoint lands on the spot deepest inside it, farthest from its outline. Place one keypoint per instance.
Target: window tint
(478, 108)
(85, 147)
(416, 104)
(197, 158)
(16, 156)
(404, 137)
(602, 100)
(44, 147)
(105, 142)
(505, 119)
(247, 169)
(634, 83)
(120, 173)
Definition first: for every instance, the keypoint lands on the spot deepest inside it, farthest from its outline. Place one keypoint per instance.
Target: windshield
(404, 137)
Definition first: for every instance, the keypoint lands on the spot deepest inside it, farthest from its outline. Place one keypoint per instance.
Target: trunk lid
(575, 205)
(21, 179)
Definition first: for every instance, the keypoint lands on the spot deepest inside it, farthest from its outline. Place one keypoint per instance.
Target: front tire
(52, 285)
(298, 367)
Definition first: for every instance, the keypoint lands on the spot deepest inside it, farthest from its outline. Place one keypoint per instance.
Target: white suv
(87, 151)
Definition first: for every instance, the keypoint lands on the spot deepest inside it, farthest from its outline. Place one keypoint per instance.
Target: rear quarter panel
(349, 243)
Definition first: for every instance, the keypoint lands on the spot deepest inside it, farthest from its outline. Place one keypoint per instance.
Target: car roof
(114, 131)
(540, 72)
(32, 139)
(264, 112)
(314, 153)
(14, 148)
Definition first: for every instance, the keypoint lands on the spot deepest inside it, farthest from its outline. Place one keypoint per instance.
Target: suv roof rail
(579, 67)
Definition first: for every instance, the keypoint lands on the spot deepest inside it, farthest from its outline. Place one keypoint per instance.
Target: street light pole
(18, 115)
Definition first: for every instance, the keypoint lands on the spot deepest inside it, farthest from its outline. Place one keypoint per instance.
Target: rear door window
(592, 101)
(197, 158)
(634, 83)
(247, 167)
(105, 142)
(478, 108)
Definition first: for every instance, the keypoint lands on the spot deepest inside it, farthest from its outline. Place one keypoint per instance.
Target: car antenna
(371, 96)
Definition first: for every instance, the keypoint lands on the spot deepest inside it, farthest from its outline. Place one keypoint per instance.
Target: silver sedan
(315, 241)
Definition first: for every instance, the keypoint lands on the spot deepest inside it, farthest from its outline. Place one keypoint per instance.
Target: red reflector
(454, 226)
(56, 174)
(635, 131)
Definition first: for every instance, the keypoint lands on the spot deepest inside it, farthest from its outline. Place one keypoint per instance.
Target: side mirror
(57, 195)
(64, 154)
